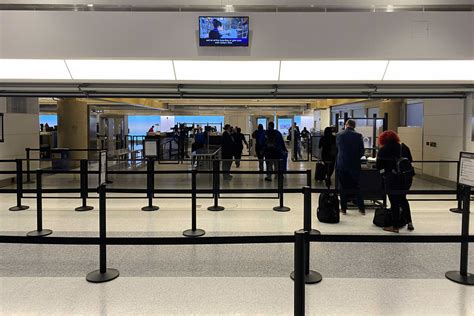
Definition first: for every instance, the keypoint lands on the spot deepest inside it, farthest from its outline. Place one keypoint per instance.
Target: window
(415, 114)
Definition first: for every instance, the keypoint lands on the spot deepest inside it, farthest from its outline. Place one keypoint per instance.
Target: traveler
(274, 150)
(305, 138)
(327, 143)
(239, 141)
(295, 135)
(389, 164)
(259, 136)
(350, 149)
(227, 151)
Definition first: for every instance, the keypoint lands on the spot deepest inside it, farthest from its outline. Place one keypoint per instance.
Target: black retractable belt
(39, 232)
(150, 186)
(104, 274)
(19, 188)
(84, 187)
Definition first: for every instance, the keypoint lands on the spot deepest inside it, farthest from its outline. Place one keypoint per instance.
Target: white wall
(166, 123)
(20, 131)
(413, 138)
(443, 125)
(353, 35)
(242, 121)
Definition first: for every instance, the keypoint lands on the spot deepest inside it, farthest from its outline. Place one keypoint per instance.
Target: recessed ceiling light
(90, 5)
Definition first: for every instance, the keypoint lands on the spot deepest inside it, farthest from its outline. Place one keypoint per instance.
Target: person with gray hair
(350, 148)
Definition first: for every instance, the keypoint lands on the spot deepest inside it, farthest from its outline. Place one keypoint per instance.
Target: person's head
(271, 126)
(328, 131)
(216, 23)
(227, 127)
(350, 123)
(260, 127)
(388, 137)
(304, 128)
(239, 130)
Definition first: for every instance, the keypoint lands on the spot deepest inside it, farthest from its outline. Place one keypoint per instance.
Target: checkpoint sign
(466, 169)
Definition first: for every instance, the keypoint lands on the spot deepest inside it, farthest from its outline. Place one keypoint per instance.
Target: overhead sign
(466, 169)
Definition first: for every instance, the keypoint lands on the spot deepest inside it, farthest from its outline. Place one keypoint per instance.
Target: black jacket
(227, 151)
(388, 155)
(328, 148)
(350, 148)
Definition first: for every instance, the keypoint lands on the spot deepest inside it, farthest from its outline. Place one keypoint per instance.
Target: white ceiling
(291, 3)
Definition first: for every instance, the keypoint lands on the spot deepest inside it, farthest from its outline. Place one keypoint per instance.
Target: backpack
(270, 138)
(403, 168)
(328, 208)
(383, 218)
(260, 137)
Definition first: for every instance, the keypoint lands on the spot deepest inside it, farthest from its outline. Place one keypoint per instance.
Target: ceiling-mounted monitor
(232, 31)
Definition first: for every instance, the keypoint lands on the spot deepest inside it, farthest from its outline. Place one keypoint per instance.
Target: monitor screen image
(224, 31)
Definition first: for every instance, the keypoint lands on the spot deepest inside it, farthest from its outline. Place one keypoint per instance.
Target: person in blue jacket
(350, 149)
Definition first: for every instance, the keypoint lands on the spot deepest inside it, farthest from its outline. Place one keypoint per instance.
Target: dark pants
(260, 156)
(349, 180)
(272, 165)
(226, 164)
(238, 157)
(398, 201)
(330, 165)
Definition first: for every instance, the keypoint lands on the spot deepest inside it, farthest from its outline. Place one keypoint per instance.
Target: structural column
(73, 126)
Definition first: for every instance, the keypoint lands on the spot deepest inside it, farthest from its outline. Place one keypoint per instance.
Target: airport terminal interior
(177, 157)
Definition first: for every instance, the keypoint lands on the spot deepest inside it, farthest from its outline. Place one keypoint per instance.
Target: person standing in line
(227, 151)
(390, 151)
(239, 141)
(274, 150)
(350, 149)
(328, 152)
(294, 131)
(259, 136)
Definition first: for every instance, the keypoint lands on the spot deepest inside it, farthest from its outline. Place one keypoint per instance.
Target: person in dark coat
(259, 136)
(274, 149)
(328, 147)
(350, 149)
(239, 141)
(390, 150)
(227, 151)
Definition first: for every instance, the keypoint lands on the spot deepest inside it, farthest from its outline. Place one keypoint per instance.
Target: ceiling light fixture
(33, 69)
(430, 70)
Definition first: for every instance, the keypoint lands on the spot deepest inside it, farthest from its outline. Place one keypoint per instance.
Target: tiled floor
(370, 279)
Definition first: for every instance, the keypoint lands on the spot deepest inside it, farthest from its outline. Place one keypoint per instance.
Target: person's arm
(361, 146)
(321, 142)
(282, 143)
(408, 153)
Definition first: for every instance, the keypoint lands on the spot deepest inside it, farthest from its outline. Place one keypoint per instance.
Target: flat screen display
(224, 31)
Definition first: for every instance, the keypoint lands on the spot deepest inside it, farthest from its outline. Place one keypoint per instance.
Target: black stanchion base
(215, 208)
(312, 277)
(456, 210)
(18, 208)
(39, 233)
(97, 277)
(456, 276)
(194, 233)
(150, 208)
(84, 208)
(281, 209)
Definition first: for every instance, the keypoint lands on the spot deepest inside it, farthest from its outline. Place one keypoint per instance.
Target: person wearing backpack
(259, 136)
(394, 162)
(274, 149)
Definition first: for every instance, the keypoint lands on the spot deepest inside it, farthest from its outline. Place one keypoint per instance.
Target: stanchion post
(39, 232)
(19, 188)
(308, 178)
(104, 274)
(281, 207)
(462, 276)
(28, 167)
(84, 187)
(194, 231)
(150, 185)
(458, 209)
(215, 187)
(311, 277)
(299, 275)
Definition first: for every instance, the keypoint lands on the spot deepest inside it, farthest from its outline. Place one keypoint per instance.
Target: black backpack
(328, 209)
(270, 138)
(383, 218)
(403, 168)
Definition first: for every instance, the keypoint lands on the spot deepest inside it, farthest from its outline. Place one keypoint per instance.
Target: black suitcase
(383, 218)
(320, 173)
(328, 209)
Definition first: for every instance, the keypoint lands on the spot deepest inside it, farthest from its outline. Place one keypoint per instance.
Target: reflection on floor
(375, 279)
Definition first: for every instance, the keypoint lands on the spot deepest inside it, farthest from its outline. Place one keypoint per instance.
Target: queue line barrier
(301, 239)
